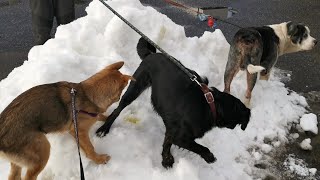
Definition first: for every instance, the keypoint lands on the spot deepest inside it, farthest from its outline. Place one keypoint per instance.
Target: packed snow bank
(88, 44)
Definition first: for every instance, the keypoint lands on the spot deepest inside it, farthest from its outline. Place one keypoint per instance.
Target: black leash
(174, 60)
(75, 122)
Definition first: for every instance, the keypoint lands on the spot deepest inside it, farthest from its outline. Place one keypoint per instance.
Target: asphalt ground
(16, 40)
(16, 35)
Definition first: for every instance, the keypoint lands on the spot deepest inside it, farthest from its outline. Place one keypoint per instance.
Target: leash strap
(179, 5)
(75, 122)
(175, 61)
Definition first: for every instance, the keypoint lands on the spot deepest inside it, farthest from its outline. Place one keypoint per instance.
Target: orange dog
(47, 109)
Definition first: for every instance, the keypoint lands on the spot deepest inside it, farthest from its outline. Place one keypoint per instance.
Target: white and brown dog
(256, 49)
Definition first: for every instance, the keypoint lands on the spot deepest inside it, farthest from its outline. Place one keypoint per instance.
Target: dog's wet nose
(315, 42)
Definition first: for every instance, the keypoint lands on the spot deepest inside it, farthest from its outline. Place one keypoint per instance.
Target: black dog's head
(230, 110)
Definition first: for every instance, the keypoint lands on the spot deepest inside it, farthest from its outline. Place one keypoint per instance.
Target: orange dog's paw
(102, 159)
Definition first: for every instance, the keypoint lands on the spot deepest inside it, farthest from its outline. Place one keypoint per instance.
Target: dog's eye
(305, 35)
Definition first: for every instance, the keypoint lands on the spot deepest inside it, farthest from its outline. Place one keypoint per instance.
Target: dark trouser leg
(167, 158)
(41, 32)
(42, 19)
(64, 11)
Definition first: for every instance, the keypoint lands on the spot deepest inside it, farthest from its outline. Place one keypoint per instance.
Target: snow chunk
(266, 148)
(295, 135)
(276, 144)
(309, 122)
(257, 155)
(312, 171)
(305, 144)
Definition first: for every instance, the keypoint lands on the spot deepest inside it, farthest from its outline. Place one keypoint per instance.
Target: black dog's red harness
(210, 100)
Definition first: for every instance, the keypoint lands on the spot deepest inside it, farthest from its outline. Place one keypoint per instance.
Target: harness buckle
(209, 97)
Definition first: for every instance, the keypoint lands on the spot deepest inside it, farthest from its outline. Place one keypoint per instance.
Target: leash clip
(194, 79)
(73, 91)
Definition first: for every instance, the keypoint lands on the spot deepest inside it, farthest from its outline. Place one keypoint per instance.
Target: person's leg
(64, 11)
(42, 19)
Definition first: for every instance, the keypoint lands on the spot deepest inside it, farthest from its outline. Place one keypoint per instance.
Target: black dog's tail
(144, 48)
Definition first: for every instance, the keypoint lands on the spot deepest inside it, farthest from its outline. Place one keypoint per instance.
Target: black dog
(181, 104)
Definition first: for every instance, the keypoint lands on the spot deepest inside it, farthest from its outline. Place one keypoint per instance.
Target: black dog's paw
(209, 157)
(167, 161)
(102, 131)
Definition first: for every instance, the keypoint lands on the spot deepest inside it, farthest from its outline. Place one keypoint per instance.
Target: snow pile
(309, 122)
(306, 144)
(88, 44)
(298, 166)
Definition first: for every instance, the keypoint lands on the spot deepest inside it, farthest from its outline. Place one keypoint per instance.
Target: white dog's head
(300, 38)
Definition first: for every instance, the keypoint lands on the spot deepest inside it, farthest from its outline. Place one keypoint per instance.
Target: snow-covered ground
(297, 167)
(88, 44)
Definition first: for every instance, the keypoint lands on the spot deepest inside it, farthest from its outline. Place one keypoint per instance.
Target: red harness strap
(210, 100)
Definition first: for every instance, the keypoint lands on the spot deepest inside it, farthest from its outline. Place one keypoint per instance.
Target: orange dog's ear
(115, 66)
(127, 77)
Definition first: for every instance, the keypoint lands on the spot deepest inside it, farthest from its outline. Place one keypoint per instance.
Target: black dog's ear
(292, 28)
(246, 120)
(244, 125)
(205, 80)
(216, 93)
